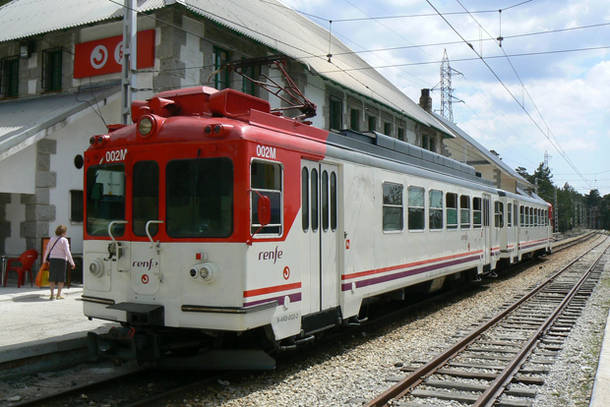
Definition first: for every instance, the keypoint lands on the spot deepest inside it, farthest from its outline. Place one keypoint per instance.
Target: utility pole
(130, 58)
(446, 89)
(555, 213)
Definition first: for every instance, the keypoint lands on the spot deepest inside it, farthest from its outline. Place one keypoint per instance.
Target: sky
(553, 101)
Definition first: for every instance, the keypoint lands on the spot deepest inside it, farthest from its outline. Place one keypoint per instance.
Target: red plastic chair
(21, 265)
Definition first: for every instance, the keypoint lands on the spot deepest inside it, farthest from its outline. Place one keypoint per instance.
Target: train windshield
(200, 198)
(105, 199)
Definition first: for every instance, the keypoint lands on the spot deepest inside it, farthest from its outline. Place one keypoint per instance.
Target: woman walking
(58, 255)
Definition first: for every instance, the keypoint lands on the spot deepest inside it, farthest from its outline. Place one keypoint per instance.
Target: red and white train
(211, 218)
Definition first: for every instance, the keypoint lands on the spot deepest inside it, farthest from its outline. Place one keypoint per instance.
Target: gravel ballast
(359, 367)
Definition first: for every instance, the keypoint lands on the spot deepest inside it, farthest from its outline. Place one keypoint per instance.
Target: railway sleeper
(464, 398)
(469, 374)
(450, 384)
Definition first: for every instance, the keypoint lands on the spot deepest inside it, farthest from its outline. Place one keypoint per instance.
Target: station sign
(104, 56)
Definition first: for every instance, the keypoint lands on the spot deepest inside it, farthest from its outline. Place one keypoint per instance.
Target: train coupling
(124, 344)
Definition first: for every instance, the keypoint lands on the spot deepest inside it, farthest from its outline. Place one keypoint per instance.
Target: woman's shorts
(57, 270)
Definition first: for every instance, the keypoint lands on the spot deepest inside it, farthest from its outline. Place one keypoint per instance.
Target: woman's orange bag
(42, 278)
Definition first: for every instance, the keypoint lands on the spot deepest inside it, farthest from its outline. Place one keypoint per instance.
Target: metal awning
(24, 122)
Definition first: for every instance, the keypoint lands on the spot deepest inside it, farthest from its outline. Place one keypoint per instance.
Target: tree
(543, 176)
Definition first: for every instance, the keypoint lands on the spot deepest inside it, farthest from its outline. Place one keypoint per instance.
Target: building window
(9, 80)
(221, 76)
(451, 203)
(476, 213)
(76, 205)
(464, 212)
(51, 69)
(354, 119)
(416, 208)
(372, 121)
(247, 85)
(435, 214)
(400, 133)
(392, 207)
(336, 113)
(432, 146)
(425, 141)
(387, 128)
(499, 214)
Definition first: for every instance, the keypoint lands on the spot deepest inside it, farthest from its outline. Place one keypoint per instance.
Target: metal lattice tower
(446, 89)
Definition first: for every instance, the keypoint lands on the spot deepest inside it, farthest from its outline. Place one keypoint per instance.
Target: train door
(145, 268)
(486, 229)
(514, 234)
(320, 219)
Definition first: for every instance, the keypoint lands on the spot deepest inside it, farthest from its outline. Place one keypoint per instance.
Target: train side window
(333, 201)
(417, 217)
(499, 214)
(536, 217)
(266, 180)
(531, 217)
(392, 207)
(522, 216)
(464, 212)
(451, 204)
(314, 200)
(509, 215)
(476, 213)
(145, 201)
(305, 199)
(325, 205)
(435, 213)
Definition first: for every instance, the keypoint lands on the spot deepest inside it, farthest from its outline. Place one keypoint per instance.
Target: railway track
(502, 361)
(95, 390)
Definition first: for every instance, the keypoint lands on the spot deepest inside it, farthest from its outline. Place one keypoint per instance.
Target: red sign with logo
(105, 56)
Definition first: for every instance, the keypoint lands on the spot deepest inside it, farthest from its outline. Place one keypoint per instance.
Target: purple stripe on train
(295, 297)
(389, 277)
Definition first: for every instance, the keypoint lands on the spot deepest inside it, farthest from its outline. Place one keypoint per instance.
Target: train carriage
(211, 217)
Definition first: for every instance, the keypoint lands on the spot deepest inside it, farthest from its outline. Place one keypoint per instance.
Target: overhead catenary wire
(559, 150)
(553, 140)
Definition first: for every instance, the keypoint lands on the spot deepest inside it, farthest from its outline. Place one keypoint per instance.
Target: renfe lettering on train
(273, 255)
(266, 152)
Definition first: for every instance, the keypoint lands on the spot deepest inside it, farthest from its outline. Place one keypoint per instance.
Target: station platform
(42, 334)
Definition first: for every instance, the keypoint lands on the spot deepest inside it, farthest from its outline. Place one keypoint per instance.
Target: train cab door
(486, 229)
(145, 267)
(319, 210)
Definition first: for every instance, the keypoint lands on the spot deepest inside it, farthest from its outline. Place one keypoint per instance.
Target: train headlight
(204, 271)
(96, 267)
(145, 126)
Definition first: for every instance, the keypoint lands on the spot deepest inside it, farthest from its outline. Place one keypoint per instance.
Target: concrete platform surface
(27, 315)
(600, 396)
(49, 333)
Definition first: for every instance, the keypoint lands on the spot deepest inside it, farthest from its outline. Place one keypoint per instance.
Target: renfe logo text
(274, 255)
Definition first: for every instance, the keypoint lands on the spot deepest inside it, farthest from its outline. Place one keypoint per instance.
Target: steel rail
(497, 387)
(403, 387)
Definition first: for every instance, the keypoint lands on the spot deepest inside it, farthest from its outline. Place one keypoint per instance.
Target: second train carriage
(210, 216)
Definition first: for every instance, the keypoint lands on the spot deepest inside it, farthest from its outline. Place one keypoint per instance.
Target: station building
(60, 83)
